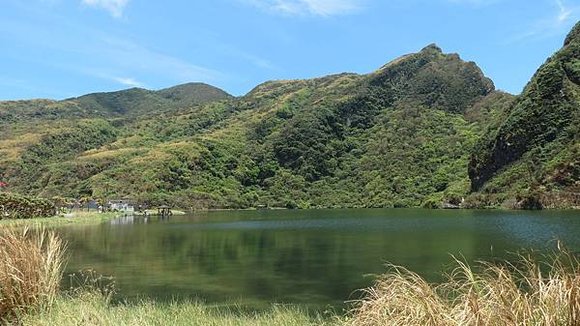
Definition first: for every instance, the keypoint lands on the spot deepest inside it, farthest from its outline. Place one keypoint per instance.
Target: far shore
(80, 218)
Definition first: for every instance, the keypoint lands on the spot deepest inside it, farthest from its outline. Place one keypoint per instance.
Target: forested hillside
(426, 129)
(533, 155)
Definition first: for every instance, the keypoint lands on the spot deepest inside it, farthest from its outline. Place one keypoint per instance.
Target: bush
(431, 203)
(17, 206)
(530, 200)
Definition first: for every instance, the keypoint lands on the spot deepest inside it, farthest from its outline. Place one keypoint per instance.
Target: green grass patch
(93, 308)
(76, 218)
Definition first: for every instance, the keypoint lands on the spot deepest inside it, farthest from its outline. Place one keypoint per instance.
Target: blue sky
(64, 48)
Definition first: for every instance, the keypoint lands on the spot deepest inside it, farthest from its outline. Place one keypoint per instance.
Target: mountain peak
(434, 79)
(432, 48)
(431, 52)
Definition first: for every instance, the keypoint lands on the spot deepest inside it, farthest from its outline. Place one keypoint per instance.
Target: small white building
(121, 206)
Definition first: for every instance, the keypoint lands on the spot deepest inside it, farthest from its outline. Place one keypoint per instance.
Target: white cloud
(130, 55)
(553, 24)
(565, 12)
(478, 3)
(114, 7)
(309, 7)
(475, 2)
(109, 57)
(128, 81)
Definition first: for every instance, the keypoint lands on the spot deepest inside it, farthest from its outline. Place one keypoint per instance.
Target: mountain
(137, 101)
(126, 103)
(535, 151)
(425, 129)
(193, 94)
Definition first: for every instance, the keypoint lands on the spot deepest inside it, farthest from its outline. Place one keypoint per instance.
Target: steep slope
(380, 145)
(535, 151)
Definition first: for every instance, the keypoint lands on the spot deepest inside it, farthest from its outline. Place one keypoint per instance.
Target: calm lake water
(315, 258)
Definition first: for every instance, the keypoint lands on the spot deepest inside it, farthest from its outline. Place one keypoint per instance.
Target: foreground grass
(523, 293)
(31, 264)
(76, 218)
(515, 294)
(92, 308)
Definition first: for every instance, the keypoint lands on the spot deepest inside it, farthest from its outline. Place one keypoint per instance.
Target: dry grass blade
(526, 292)
(31, 265)
(401, 297)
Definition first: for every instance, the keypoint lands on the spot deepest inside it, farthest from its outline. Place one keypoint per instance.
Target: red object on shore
(3, 184)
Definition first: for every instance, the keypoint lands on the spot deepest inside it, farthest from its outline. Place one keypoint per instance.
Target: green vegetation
(532, 154)
(75, 218)
(24, 211)
(14, 206)
(138, 101)
(426, 129)
(339, 141)
(94, 309)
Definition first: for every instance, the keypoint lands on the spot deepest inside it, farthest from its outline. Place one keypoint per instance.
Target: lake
(315, 258)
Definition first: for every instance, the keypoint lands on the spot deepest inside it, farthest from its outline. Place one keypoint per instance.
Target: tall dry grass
(31, 267)
(532, 291)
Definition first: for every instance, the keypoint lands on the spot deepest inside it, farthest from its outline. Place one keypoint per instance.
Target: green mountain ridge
(536, 146)
(426, 129)
(129, 102)
(138, 100)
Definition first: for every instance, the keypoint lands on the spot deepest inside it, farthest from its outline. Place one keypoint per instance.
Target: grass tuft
(31, 266)
(533, 291)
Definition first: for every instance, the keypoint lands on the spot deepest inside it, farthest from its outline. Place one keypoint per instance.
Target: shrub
(18, 206)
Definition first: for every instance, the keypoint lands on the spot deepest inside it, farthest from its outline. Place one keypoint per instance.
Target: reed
(31, 267)
(532, 291)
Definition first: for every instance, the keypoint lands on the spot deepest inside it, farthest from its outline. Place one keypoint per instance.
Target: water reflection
(138, 219)
(316, 258)
(123, 220)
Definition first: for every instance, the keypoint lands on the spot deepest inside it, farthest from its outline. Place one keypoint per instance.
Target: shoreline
(491, 208)
(80, 218)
